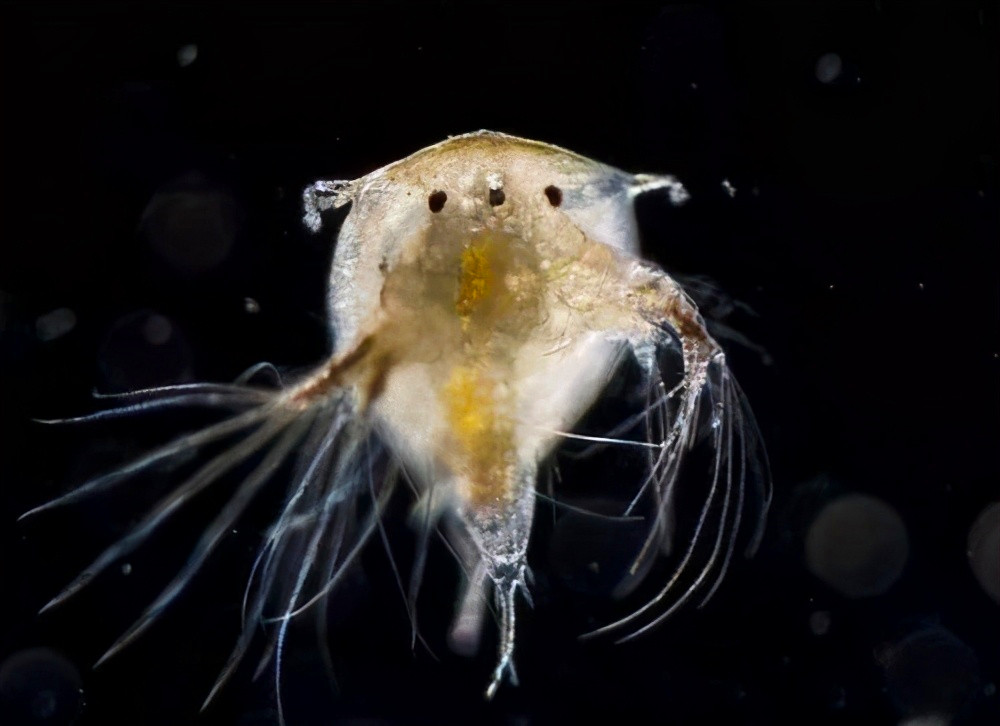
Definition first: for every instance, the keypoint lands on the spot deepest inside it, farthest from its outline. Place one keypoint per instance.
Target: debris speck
(55, 324)
(157, 330)
(187, 54)
(819, 622)
(828, 68)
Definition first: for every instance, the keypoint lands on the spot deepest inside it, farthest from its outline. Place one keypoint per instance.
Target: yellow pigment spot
(483, 435)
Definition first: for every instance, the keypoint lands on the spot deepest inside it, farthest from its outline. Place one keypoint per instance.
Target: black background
(863, 233)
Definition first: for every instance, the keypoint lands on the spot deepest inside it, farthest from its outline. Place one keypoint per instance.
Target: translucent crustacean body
(482, 292)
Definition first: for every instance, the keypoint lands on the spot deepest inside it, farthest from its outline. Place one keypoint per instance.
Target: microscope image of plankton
(482, 293)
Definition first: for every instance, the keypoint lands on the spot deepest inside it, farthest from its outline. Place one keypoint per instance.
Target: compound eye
(554, 195)
(436, 201)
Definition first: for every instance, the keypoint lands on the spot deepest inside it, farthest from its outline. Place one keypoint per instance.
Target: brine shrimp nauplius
(482, 293)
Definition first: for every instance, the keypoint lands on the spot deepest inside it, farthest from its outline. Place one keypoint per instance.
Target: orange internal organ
(476, 279)
(482, 433)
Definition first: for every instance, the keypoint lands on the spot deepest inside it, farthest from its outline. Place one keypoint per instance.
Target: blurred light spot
(157, 330)
(930, 674)
(191, 223)
(819, 622)
(55, 324)
(39, 686)
(4, 298)
(127, 569)
(187, 54)
(251, 305)
(144, 349)
(828, 67)
(857, 545)
(838, 698)
(730, 189)
(984, 550)
(926, 720)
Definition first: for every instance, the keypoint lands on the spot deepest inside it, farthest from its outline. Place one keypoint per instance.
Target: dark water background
(151, 234)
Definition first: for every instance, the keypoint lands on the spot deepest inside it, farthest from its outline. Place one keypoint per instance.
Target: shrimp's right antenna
(323, 195)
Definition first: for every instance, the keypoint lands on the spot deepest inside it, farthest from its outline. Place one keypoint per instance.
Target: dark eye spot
(497, 197)
(554, 195)
(436, 201)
